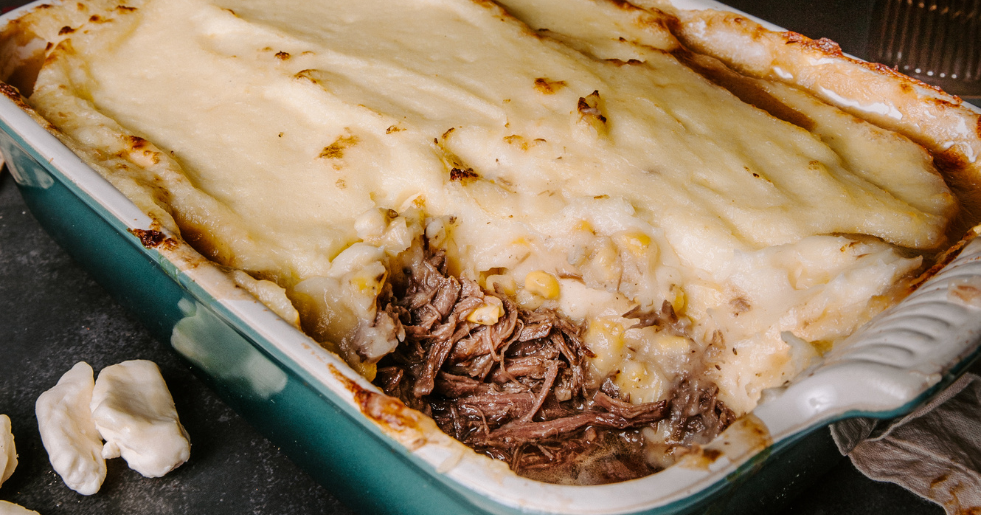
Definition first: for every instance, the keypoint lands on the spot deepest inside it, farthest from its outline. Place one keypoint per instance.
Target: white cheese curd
(68, 432)
(9, 508)
(8, 453)
(135, 414)
(586, 168)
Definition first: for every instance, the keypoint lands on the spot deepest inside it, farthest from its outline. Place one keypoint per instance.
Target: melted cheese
(587, 151)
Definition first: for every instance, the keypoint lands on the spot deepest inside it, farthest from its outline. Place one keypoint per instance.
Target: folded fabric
(934, 452)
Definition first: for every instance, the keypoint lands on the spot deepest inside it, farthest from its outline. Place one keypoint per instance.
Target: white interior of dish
(899, 356)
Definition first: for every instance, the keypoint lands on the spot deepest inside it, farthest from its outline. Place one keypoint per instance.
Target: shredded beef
(517, 390)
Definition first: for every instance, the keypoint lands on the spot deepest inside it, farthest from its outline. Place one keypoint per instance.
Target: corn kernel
(487, 313)
(584, 226)
(672, 344)
(637, 243)
(365, 285)
(367, 370)
(604, 268)
(640, 382)
(679, 301)
(604, 338)
(543, 284)
(605, 257)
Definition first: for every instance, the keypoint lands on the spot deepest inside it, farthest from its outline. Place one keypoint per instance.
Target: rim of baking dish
(887, 368)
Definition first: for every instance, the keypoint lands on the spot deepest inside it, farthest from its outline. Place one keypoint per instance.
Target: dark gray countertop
(53, 315)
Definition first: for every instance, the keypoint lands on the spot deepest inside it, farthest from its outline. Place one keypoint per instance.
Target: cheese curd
(8, 453)
(9, 508)
(135, 414)
(572, 152)
(68, 432)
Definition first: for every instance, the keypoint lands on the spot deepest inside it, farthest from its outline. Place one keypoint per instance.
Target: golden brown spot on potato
(828, 46)
(282, 56)
(393, 128)
(522, 142)
(95, 18)
(459, 174)
(336, 149)
(308, 75)
(645, 21)
(136, 142)
(548, 87)
(588, 107)
(448, 132)
(939, 102)
(125, 9)
(515, 139)
(65, 30)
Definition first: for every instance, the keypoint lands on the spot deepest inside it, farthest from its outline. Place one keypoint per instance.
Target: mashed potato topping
(564, 153)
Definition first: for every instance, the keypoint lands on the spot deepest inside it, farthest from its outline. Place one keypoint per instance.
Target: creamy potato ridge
(583, 167)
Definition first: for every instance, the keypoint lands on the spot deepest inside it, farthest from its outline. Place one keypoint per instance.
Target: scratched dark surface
(53, 315)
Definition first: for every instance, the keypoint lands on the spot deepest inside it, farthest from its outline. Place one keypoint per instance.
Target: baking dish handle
(899, 359)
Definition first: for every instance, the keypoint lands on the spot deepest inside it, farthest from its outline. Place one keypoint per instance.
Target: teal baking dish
(334, 423)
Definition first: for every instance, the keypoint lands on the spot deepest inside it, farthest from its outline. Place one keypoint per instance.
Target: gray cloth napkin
(934, 452)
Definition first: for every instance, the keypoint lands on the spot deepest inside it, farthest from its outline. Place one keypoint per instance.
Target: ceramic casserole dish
(373, 453)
